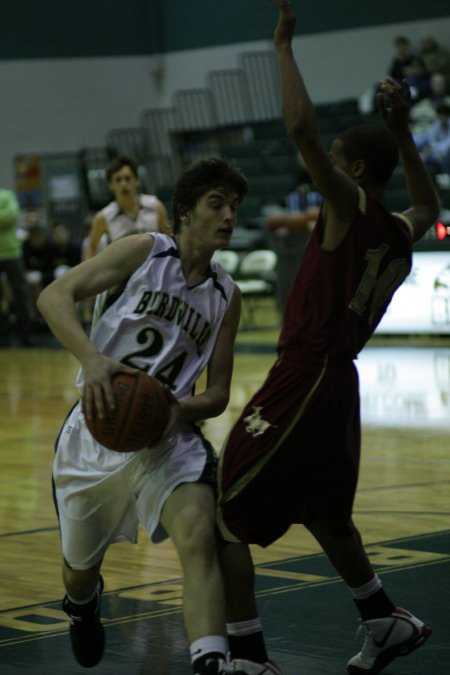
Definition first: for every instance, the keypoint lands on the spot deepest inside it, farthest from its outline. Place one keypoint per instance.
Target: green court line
(287, 587)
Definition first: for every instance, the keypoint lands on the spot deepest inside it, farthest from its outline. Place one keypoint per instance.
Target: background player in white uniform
(130, 212)
(165, 308)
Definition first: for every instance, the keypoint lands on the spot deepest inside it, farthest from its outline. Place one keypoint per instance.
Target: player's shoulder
(222, 277)
(148, 201)
(109, 211)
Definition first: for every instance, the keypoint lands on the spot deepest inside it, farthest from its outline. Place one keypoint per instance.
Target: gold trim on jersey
(256, 468)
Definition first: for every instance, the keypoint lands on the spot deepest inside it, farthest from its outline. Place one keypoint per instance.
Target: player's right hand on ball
(97, 390)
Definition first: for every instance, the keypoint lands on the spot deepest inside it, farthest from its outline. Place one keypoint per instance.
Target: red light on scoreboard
(442, 231)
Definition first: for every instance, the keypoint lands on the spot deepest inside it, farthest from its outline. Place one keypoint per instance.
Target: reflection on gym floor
(405, 386)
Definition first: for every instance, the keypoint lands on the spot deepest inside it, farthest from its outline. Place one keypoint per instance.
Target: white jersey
(119, 224)
(160, 324)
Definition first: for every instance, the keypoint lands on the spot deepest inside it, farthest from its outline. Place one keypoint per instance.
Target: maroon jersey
(284, 462)
(339, 297)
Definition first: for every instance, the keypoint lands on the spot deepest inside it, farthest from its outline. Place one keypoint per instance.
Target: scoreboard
(422, 304)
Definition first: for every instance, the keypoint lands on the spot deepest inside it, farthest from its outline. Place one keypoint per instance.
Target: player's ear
(357, 168)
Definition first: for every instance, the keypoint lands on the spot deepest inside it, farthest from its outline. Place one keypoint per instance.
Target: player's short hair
(199, 178)
(375, 146)
(118, 163)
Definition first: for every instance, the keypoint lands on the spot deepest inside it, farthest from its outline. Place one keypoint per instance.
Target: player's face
(337, 156)
(214, 216)
(123, 183)
(352, 169)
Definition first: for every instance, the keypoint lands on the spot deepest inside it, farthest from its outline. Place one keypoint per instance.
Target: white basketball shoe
(395, 635)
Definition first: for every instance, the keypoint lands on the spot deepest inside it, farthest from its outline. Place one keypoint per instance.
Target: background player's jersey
(339, 297)
(119, 224)
(161, 325)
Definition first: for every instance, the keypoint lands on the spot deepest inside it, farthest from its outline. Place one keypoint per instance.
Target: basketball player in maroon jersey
(293, 455)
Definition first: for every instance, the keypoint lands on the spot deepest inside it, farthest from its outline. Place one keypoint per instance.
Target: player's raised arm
(394, 103)
(301, 122)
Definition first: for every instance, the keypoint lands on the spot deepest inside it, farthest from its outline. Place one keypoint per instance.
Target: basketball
(140, 417)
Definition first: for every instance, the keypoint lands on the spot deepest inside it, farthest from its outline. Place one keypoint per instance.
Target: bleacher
(236, 116)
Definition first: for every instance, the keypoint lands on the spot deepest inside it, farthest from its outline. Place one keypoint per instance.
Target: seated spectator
(66, 251)
(423, 113)
(409, 66)
(434, 145)
(435, 57)
(301, 208)
(290, 226)
(38, 252)
(405, 65)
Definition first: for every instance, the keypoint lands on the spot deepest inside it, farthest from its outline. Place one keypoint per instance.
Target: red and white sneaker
(244, 667)
(395, 635)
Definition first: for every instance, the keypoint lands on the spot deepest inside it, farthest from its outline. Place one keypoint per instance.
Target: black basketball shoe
(87, 635)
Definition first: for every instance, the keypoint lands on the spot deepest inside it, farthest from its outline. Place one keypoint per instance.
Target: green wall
(62, 28)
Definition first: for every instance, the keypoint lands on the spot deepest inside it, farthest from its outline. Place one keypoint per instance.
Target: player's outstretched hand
(284, 32)
(394, 103)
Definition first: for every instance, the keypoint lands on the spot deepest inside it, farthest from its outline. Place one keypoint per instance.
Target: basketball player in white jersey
(164, 307)
(130, 212)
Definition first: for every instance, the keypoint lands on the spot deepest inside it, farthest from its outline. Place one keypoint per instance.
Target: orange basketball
(140, 417)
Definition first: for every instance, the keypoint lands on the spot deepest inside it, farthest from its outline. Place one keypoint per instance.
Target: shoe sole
(389, 655)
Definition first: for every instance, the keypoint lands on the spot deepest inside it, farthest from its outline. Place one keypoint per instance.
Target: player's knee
(344, 530)
(197, 536)
(333, 529)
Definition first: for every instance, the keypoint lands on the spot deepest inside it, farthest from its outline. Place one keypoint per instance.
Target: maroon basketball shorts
(293, 455)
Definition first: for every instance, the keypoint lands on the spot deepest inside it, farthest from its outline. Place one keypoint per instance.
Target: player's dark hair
(118, 163)
(199, 178)
(376, 147)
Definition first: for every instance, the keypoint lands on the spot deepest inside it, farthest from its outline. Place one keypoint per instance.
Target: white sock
(206, 645)
(366, 590)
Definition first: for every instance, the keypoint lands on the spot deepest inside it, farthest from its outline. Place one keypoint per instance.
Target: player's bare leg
(189, 518)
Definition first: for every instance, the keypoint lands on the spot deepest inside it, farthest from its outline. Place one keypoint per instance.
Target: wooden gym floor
(402, 508)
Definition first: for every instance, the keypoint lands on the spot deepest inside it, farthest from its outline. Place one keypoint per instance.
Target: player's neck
(194, 260)
(375, 191)
(129, 204)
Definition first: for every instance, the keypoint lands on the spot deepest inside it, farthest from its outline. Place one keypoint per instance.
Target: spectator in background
(130, 212)
(290, 228)
(434, 145)
(66, 251)
(38, 252)
(435, 57)
(301, 206)
(423, 113)
(407, 65)
(12, 266)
